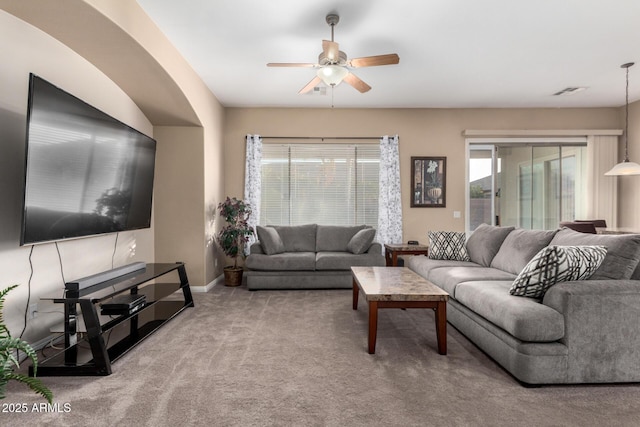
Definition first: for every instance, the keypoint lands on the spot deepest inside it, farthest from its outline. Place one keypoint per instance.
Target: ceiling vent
(569, 91)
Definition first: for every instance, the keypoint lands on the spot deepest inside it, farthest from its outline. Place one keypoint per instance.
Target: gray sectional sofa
(310, 256)
(585, 331)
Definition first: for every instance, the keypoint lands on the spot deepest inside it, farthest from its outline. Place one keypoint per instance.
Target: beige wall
(180, 189)
(214, 193)
(189, 187)
(423, 132)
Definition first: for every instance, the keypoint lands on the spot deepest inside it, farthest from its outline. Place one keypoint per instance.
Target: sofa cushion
(448, 245)
(335, 238)
(298, 238)
(524, 318)
(484, 243)
(519, 247)
(256, 248)
(555, 264)
(346, 260)
(285, 261)
(270, 240)
(423, 265)
(361, 241)
(623, 251)
(448, 278)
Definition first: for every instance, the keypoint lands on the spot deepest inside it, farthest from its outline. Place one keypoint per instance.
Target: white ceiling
(453, 53)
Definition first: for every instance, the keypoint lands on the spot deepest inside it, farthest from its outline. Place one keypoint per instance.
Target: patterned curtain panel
(390, 201)
(253, 181)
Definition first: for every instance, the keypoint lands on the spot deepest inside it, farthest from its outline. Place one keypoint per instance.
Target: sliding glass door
(526, 185)
(481, 206)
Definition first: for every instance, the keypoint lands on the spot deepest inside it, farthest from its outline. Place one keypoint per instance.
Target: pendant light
(626, 167)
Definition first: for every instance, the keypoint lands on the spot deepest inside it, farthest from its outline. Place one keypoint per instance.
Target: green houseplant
(9, 362)
(234, 236)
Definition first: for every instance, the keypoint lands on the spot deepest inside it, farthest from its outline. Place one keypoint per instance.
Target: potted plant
(9, 361)
(234, 236)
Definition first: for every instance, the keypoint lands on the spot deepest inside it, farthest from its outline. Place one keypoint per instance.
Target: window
(332, 184)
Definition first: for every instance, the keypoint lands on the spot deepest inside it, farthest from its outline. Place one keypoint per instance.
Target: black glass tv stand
(107, 337)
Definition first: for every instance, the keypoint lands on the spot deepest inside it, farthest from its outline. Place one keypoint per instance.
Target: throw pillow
(335, 238)
(555, 264)
(361, 241)
(449, 245)
(484, 243)
(519, 248)
(270, 240)
(623, 251)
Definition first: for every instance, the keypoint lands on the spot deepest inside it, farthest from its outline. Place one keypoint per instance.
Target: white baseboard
(201, 289)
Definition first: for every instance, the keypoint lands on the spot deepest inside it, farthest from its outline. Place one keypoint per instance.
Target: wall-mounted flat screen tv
(86, 172)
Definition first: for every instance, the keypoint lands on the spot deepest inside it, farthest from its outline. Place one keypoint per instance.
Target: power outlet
(33, 310)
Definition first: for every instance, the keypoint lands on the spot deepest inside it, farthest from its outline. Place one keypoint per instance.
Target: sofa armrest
(375, 248)
(602, 319)
(255, 248)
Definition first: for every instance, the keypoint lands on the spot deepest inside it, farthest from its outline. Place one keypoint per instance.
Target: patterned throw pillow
(448, 245)
(555, 264)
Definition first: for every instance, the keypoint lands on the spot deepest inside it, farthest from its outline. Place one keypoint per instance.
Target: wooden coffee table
(399, 287)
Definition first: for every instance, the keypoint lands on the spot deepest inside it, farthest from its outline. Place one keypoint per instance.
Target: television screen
(86, 172)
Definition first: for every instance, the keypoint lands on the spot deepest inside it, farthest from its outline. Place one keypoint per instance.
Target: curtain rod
(377, 138)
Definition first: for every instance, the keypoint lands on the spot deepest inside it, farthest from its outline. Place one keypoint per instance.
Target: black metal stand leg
(94, 334)
(70, 334)
(184, 283)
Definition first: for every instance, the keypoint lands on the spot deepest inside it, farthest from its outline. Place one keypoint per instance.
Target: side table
(392, 250)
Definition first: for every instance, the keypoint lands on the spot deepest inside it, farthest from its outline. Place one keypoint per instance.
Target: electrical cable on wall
(61, 269)
(26, 309)
(115, 246)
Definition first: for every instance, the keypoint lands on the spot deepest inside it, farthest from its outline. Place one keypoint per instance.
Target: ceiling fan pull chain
(332, 86)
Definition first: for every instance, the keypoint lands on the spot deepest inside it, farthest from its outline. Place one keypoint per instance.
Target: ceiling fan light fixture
(332, 75)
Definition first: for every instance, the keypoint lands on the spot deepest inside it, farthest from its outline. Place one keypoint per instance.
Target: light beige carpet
(299, 358)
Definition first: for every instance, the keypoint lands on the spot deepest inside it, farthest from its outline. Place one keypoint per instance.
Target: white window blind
(329, 184)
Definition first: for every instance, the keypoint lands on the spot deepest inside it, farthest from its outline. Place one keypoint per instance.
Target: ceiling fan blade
(313, 83)
(372, 61)
(357, 83)
(331, 50)
(290, 64)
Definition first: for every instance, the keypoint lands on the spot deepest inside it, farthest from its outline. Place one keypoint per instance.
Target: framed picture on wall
(428, 182)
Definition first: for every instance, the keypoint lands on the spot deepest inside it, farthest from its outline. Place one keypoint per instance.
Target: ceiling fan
(333, 66)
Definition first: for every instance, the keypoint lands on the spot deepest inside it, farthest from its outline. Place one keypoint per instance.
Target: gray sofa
(585, 331)
(310, 256)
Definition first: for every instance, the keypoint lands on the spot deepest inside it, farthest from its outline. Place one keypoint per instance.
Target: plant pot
(232, 276)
